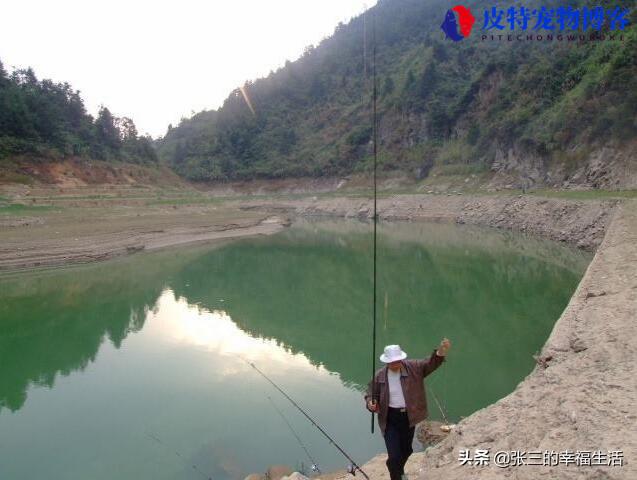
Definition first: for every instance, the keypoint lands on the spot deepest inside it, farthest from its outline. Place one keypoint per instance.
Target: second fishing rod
(353, 465)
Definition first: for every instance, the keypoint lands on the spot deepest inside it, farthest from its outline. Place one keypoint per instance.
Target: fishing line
(315, 467)
(194, 466)
(444, 416)
(445, 390)
(385, 311)
(353, 465)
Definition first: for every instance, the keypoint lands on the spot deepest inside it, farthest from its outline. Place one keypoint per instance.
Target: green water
(134, 369)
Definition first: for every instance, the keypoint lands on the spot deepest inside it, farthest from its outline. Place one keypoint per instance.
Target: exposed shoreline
(577, 222)
(33, 243)
(95, 234)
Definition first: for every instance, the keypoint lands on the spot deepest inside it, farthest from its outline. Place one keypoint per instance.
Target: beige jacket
(412, 373)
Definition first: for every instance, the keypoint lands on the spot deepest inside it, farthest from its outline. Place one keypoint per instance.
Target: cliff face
(605, 167)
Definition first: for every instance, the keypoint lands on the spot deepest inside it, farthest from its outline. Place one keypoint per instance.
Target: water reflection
(183, 380)
(216, 332)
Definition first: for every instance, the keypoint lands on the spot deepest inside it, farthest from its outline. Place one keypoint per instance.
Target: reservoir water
(136, 368)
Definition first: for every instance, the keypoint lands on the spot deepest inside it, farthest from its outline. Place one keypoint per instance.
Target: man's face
(394, 366)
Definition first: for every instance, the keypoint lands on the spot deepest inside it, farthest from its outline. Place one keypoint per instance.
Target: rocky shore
(581, 223)
(582, 396)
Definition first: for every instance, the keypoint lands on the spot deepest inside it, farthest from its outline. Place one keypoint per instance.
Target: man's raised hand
(444, 347)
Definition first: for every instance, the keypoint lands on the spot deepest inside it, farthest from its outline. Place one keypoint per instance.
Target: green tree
(107, 132)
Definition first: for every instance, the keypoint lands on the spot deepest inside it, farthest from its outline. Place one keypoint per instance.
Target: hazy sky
(157, 61)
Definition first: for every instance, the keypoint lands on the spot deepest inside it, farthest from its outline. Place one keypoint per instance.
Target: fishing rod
(375, 217)
(375, 140)
(315, 467)
(194, 466)
(353, 465)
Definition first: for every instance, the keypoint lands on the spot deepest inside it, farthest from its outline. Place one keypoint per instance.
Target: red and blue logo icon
(457, 29)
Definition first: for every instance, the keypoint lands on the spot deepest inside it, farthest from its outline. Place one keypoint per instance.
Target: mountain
(545, 112)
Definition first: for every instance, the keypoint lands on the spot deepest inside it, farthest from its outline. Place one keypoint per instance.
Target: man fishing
(397, 394)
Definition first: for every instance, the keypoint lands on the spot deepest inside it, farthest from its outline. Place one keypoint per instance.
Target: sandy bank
(583, 397)
(90, 235)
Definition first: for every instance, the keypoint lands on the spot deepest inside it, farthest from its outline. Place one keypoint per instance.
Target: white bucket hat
(392, 353)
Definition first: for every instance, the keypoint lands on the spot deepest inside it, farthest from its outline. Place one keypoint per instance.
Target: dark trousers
(398, 438)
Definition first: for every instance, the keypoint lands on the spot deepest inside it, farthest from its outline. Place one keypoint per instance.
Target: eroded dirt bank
(582, 396)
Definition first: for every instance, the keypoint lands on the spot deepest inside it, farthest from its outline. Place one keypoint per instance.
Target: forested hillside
(45, 120)
(534, 106)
